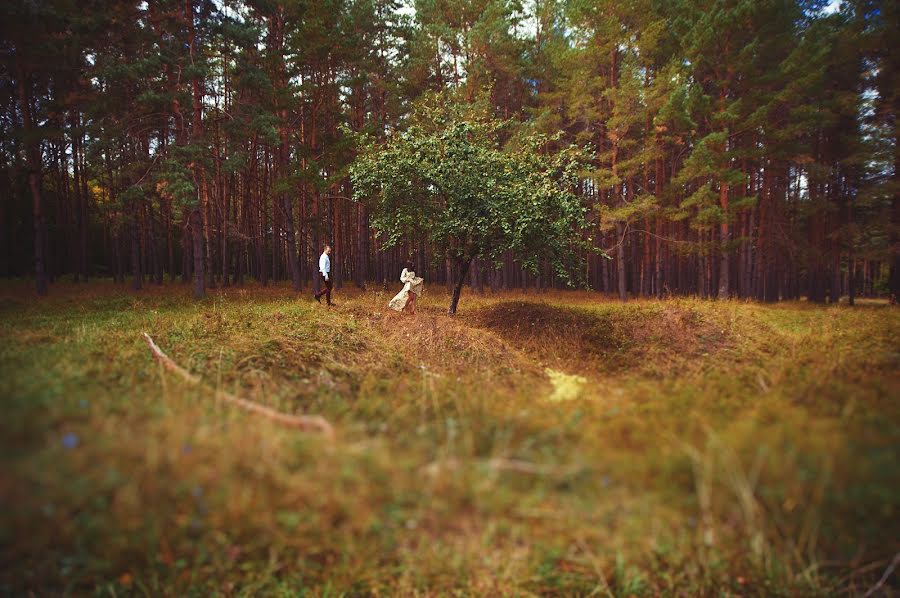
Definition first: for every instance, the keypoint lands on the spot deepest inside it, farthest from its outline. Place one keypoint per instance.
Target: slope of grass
(697, 447)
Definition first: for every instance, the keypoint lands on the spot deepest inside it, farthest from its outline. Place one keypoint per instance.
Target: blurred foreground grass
(552, 444)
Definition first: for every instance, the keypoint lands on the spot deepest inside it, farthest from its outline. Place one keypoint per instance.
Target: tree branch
(885, 577)
(309, 423)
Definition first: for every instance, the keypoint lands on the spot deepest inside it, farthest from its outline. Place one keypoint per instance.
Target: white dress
(411, 283)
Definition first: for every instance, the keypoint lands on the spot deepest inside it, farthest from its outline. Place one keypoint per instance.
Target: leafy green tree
(448, 178)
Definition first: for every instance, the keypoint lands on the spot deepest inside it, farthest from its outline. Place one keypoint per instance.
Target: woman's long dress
(411, 283)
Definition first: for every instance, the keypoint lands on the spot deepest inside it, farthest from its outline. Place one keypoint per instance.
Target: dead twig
(498, 464)
(885, 577)
(519, 466)
(310, 423)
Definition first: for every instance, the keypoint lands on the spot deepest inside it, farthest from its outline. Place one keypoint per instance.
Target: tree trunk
(157, 252)
(197, 138)
(462, 270)
(74, 199)
(226, 256)
(894, 282)
(276, 43)
(186, 245)
(725, 233)
(196, 219)
(657, 266)
(293, 260)
(83, 220)
(33, 163)
(136, 271)
(620, 262)
(362, 249)
(118, 270)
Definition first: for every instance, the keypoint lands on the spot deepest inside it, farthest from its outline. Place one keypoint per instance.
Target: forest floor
(535, 444)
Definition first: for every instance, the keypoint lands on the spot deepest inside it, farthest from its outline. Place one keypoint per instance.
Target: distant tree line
(739, 148)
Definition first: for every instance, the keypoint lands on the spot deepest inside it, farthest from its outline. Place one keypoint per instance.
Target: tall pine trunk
(894, 282)
(620, 262)
(137, 272)
(33, 164)
(196, 222)
(199, 171)
(725, 234)
(283, 166)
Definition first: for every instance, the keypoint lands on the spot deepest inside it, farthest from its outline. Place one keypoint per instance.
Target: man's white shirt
(325, 265)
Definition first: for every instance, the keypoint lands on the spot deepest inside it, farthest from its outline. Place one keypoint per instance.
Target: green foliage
(643, 206)
(177, 181)
(448, 180)
(134, 193)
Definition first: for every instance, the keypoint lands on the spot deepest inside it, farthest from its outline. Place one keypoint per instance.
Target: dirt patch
(608, 338)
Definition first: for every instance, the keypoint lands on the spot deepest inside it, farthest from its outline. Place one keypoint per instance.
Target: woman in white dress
(412, 287)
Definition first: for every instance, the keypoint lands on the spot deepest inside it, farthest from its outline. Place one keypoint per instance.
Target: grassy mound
(709, 447)
(608, 338)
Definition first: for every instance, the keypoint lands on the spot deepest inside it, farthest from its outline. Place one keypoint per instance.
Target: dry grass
(712, 448)
(649, 337)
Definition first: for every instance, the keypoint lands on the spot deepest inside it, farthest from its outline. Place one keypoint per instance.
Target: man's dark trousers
(326, 290)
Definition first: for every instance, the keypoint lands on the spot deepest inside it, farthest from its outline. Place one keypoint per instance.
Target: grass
(553, 444)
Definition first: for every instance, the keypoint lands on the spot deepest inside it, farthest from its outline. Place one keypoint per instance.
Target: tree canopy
(449, 180)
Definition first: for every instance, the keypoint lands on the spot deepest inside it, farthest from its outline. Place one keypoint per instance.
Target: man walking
(325, 273)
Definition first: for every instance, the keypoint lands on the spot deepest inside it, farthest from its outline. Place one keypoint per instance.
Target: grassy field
(536, 444)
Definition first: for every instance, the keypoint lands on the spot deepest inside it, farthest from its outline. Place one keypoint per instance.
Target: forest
(737, 149)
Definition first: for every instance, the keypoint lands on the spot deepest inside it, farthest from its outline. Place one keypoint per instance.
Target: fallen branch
(520, 466)
(311, 423)
(498, 464)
